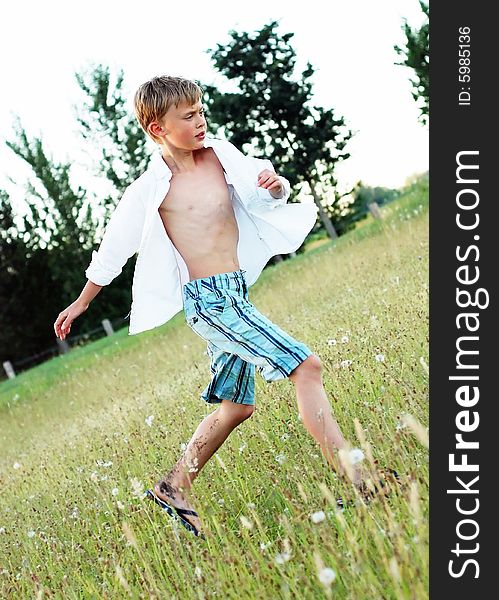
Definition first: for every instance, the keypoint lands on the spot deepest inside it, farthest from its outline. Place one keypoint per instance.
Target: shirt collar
(159, 167)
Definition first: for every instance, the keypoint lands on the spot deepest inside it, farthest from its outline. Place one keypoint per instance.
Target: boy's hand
(62, 325)
(271, 182)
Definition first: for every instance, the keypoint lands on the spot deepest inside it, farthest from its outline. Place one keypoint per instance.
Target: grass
(75, 446)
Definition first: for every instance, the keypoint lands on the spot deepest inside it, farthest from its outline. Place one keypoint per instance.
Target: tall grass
(76, 448)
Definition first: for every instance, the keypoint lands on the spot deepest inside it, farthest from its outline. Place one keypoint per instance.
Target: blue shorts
(239, 338)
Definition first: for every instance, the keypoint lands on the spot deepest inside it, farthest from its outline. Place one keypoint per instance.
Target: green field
(75, 446)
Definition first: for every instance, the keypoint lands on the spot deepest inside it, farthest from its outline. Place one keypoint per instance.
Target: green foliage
(27, 300)
(416, 56)
(52, 249)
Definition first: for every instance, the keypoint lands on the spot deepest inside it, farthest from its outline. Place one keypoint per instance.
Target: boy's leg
(316, 414)
(207, 439)
(228, 320)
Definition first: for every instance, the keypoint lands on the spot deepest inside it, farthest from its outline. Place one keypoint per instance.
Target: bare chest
(202, 192)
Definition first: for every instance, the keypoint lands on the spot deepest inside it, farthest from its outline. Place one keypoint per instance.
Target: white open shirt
(267, 226)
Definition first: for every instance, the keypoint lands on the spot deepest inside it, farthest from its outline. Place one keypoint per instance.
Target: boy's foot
(389, 476)
(175, 498)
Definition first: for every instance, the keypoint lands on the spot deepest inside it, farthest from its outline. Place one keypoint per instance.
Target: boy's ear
(155, 129)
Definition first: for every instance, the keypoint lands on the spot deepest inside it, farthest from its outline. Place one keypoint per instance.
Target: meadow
(83, 435)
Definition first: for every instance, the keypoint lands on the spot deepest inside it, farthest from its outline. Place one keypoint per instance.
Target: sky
(349, 43)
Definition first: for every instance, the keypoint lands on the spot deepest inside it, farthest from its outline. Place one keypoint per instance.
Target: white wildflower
(282, 557)
(280, 458)
(221, 501)
(246, 522)
(380, 357)
(102, 463)
(344, 339)
(120, 505)
(75, 513)
(31, 533)
(284, 436)
(331, 342)
(149, 420)
(115, 491)
(242, 448)
(137, 487)
(2, 529)
(251, 505)
(183, 446)
(16, 465)
(318, 517)
(94, 476)
(327, 576)
(356, 455)
(346, 363)
(198, 572)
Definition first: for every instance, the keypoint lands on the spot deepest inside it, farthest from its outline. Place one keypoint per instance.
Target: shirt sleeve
(120, 241)
(264, 199)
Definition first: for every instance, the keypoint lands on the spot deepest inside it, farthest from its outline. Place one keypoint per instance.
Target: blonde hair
(154, 97)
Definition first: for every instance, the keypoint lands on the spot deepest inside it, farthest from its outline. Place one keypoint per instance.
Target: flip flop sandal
(366, 493)
(177, 513)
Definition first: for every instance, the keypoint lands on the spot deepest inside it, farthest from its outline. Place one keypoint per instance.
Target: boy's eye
(201, 111)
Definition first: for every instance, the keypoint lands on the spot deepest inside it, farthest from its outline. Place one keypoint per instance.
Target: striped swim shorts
(240, 339)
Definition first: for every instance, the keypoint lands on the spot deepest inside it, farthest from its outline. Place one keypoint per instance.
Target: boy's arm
(65, 318)
(121, 239)
(265, 199)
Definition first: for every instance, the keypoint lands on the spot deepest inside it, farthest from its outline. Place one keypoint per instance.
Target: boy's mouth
(201, 135)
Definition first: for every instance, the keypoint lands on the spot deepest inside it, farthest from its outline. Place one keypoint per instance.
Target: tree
(26, 288)
(416, 56)
(52, 248)
(272, 112)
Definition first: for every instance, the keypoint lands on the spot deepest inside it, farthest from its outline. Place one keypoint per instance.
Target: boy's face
(180, 126)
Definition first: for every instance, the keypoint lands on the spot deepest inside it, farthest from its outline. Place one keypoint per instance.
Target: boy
(201, 212)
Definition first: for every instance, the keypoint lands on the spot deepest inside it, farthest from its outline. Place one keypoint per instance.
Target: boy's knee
(310, 367)
(236, 413)
(246, 411)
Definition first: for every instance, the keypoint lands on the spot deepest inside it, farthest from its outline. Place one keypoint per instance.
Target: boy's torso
(198, 216)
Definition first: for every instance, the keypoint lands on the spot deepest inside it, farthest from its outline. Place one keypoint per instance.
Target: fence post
(9, 369)
(374, 210)
(108, 328)
(63, 346)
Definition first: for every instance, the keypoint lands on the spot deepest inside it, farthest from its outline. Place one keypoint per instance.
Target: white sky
(349, 43)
